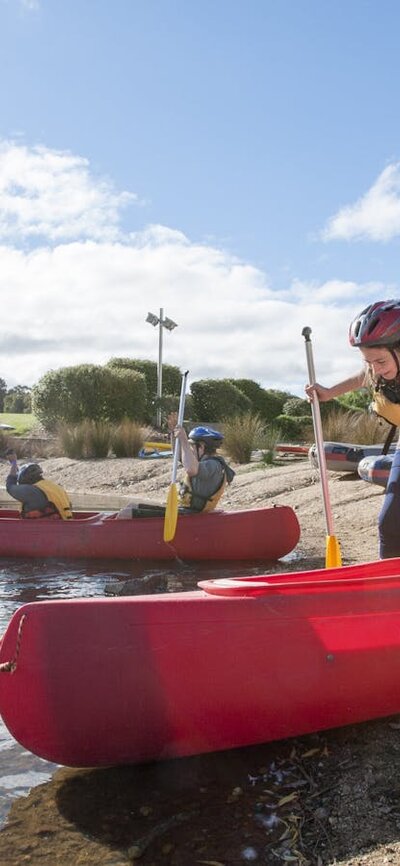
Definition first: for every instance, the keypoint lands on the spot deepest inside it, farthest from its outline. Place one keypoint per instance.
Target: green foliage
(190, 413)
(296, 407)
(242, 434)
(331, 406)
(73, 394)
(266, 402)
(295, 429)
(18, 399)
(217, 399)
(3, 392)
(277, 402)
(127, 438)
(356, 400)
(171, 381)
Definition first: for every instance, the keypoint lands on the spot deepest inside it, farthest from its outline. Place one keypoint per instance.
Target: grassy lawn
(23, 423)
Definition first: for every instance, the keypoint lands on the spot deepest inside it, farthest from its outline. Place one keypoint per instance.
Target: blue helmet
(206, 435)
(29, 473)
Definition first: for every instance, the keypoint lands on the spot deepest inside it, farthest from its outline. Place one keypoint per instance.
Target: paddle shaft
(319, 439)
(181, 413)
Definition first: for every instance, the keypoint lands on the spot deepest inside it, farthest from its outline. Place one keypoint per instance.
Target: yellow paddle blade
(171, 513)
(333, 557)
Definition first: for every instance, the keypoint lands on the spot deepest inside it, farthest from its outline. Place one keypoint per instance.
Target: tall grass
(268, 441)
(127, 438)
(242, 434)
(89, 439)
(358, 428)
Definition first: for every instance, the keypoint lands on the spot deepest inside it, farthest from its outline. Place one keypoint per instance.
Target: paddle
(171, 511)
(332, 556)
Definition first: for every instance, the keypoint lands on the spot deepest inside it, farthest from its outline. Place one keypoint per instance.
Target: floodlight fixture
(152, 319)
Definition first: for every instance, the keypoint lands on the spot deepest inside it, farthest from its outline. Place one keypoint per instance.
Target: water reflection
(24, 581)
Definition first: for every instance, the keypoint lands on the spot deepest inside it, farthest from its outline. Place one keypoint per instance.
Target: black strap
(389, 439)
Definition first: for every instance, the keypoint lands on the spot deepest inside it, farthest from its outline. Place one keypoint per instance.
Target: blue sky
(237, 164)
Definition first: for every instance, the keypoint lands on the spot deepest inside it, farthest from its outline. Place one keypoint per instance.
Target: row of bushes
(125, 388)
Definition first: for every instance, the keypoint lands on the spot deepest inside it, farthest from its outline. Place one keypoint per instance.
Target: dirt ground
(324, 799)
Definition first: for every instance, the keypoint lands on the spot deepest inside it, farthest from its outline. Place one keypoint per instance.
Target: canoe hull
(342, 457)
(376, 470)
(111, 681)
(264, 533)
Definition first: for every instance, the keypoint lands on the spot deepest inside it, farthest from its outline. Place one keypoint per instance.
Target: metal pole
(319, 439)
(159, 368)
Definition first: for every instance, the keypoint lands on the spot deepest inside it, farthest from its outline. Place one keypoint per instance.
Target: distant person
(39, 497)
(207, 473)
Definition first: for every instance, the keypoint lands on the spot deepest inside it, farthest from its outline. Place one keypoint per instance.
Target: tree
(3, 392)
(18, 399)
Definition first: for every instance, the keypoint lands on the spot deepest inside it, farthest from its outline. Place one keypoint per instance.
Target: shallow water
(24, 581)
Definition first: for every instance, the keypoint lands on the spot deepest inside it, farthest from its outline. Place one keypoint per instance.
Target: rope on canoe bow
(11, 666)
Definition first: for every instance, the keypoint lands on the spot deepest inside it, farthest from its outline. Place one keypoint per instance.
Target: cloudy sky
(234, 163)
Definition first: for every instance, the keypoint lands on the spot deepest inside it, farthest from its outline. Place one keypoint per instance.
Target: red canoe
(263, 533)
(94, 682)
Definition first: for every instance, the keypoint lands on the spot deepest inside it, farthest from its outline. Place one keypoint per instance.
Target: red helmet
(377, 325)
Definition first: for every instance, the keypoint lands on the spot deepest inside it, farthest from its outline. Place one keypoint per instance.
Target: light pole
(167, 323)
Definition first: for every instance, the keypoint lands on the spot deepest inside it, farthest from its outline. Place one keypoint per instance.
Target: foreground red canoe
(262, 533)
(94, 682)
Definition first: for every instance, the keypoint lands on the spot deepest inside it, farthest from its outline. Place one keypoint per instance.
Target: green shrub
(295, 429)
(217, 399)
(356, 400)
(242, 434)
(296, 407)
(263, 402)
(171, 380)
(127, 438)
(72, 394)
(331, 406)
(277, 401)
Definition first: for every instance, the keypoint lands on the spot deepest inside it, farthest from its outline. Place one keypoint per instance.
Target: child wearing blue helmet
(206, 473)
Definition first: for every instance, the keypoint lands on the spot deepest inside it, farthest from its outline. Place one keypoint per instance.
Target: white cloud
(84, 297)
(51, 194)
(375, 216)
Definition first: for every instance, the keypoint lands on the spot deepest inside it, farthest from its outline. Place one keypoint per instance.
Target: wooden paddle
(333, 556)
(171, 511)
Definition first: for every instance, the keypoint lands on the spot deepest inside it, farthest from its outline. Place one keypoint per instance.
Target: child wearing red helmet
(376, 332)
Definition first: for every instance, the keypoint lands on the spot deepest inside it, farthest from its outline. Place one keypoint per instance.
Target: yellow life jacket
(57, 496)
(189, 499)
(386, 409)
